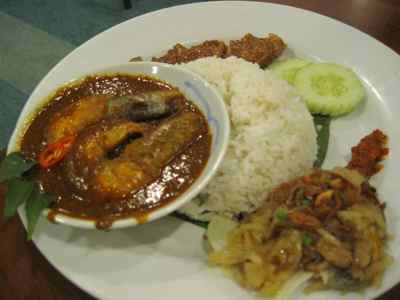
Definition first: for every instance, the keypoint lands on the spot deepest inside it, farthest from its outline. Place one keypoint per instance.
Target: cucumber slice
(288, 68)
(329, 89)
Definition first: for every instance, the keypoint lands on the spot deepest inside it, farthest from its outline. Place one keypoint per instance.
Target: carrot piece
(304, 220)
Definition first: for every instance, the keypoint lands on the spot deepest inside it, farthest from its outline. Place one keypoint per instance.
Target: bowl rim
(192, 191)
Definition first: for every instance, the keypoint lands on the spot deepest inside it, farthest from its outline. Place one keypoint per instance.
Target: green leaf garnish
(322, 124)
(34, 207)
(281, 214)
(307, 239)
(13, 166)
(18, 192)
(306, 202)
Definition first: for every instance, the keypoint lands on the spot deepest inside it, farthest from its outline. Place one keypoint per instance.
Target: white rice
(272, 140)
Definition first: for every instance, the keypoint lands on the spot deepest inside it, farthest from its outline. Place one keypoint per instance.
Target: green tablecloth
(36, 34)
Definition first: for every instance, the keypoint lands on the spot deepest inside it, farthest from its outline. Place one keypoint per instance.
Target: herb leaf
(307, 201)
(13, 166)
(307, 239)
(281, 214)
(35, 205)
(18, 191)
(322, 124)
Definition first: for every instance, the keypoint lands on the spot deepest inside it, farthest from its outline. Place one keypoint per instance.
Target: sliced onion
(218, 230)
(291, 286)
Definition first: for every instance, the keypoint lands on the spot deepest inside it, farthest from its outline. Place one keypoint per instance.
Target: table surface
(36, 34)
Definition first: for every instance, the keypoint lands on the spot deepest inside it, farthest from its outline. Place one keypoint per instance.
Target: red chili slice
(55, 152)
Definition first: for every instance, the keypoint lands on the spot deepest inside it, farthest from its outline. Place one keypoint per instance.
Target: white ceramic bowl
(195, 89)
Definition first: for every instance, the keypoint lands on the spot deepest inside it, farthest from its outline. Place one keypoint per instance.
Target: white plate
(165, 259)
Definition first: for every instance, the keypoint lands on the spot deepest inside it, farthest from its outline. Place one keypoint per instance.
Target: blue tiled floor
(12, 101)
(77, 20)
(35, 34)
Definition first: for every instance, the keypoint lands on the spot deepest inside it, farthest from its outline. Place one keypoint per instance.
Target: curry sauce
(94, 200)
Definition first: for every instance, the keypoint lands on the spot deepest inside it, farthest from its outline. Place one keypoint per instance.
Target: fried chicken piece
(257, 50)
(181, 54)
(253, 49)
(173, 56)
(371, 150)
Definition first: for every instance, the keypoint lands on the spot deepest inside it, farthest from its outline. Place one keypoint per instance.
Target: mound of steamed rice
(272, 138)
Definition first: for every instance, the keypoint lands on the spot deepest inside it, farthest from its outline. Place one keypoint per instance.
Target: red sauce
(365, 157)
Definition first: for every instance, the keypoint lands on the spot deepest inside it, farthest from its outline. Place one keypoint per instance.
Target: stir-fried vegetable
(333, 222)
